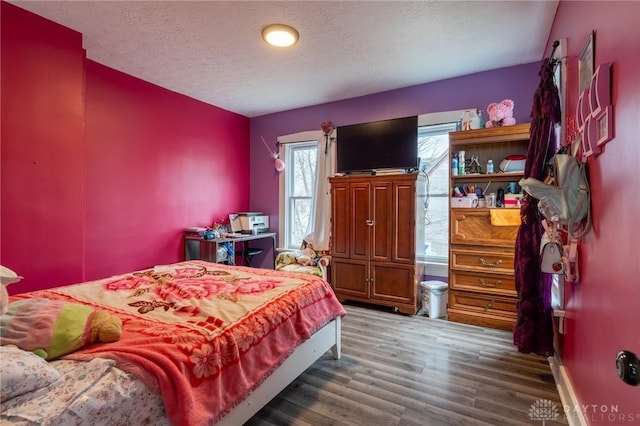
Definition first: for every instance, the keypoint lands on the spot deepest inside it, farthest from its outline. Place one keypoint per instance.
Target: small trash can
(434, 298)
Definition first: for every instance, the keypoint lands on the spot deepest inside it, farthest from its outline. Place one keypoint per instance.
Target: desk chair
(248, 254)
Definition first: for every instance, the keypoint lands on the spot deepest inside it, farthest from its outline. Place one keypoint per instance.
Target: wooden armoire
(373, 240)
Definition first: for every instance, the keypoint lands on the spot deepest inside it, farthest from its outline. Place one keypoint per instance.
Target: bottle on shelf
(489, 166)
(454, 164)
(491, 200)
(467, 119)
(500, 198)
(476, 120)
(481, 120)
(461, 170)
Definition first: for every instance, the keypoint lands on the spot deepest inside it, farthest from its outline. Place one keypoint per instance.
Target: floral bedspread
(204, 335)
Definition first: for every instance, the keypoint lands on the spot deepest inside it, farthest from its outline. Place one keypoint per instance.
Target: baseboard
(570, 404)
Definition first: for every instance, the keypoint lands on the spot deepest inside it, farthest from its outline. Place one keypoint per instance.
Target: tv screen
(386, 144)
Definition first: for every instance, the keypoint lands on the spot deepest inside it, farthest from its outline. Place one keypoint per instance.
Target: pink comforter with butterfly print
(204, 335)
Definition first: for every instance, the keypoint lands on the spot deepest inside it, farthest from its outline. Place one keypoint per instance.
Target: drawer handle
(369, 222)
(494, 264)
(484, 283)
(488, 305)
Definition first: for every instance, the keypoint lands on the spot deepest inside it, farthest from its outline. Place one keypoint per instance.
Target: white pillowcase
(22, 372)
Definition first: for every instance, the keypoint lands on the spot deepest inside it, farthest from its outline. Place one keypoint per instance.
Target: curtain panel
(533, 332)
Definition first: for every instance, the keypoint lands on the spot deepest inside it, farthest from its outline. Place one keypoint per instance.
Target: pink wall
(42, 190)
(157, 162)
(603, 313)
(101, 171)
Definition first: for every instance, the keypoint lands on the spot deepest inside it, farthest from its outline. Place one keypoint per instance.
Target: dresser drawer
(482, 261)
(497, 284)
(483, 303)
(471, 226)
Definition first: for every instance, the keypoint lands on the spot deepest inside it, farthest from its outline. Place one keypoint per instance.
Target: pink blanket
(204, 335)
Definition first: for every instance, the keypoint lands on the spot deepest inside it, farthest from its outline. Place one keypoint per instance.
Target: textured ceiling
(212, 50)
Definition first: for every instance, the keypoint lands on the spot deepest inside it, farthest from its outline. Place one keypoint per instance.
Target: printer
(249, 222)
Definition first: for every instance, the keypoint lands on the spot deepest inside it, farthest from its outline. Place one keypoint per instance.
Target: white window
(433, 150)
(297, 186)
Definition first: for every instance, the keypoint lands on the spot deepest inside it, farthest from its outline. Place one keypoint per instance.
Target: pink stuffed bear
(500, 114)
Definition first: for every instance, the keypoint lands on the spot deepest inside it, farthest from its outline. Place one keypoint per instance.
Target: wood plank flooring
(411, 370)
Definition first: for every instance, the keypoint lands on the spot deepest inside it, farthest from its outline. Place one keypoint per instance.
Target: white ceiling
(212, 50)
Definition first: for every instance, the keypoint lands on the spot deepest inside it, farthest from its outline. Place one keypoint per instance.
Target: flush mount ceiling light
(280, 35)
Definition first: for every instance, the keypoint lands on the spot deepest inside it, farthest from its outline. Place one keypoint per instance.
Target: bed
(201, 344)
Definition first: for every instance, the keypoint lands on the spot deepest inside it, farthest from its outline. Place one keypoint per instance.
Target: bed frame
(328, 337)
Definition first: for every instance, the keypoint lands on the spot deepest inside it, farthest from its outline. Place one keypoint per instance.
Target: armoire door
(350, 277)
(360, 220)
(382, 220)
(340, 219)
(393, 282)
(404, 226)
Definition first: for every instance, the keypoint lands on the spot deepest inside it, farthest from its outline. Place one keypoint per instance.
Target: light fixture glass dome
(280, 35)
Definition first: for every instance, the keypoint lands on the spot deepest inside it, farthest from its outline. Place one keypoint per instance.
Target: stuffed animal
(500, 114)
(105, 328)
(306, 257)
(53, 328)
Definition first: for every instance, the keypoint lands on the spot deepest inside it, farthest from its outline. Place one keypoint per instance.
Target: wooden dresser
(481, 275)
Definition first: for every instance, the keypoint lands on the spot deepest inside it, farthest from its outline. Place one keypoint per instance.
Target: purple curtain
(533, 331)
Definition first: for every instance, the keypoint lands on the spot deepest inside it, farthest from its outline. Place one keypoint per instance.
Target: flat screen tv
(386, 144)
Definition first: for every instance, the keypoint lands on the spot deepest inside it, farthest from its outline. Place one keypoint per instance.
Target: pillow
(7, 276)
(49, 328)
(22, 372)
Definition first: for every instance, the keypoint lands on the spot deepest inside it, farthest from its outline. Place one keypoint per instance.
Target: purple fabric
(533, 331)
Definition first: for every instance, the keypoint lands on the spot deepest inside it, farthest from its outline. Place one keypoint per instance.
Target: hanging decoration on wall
(327, 128)
(594, 113)
(278, 164)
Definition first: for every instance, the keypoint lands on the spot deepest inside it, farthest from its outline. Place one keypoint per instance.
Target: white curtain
(319, 228)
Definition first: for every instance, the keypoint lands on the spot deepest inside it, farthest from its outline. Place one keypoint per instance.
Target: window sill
(434, 269)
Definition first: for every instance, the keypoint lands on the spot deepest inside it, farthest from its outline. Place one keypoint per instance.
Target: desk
(197, 248)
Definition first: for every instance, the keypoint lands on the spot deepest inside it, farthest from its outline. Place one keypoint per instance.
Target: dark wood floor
(410, 370)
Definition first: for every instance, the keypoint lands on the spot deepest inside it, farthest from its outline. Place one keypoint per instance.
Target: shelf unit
(495, 144)
(481, 277)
